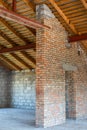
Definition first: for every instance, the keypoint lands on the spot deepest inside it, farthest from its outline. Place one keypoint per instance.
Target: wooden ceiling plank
(16, 48)
(5, 37)
(15, 67)
(60, 12)
(9, 8)
(13, 30)
(33, 31)
(84, 3)
(21, 61)
(5, 65)
(5, 5)
(65, 2)
(71, 14)
(27, 60)
(11, 49)
(29, 57)
(30, 4)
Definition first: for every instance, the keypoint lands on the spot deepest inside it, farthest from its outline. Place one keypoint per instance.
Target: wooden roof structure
(17, 41)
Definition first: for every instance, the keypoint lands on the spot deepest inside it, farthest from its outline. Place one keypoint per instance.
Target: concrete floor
(16, 119)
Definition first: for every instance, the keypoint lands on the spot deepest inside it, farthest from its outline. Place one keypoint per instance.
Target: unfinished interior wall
(79, 79)
(4, 87)
(17, 89)
(53, 59)
(23, 90)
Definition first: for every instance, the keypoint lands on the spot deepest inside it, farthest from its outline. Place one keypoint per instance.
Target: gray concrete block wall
(4, 87)
(23, 89)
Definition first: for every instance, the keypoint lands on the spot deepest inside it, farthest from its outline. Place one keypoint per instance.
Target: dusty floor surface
(16, 119)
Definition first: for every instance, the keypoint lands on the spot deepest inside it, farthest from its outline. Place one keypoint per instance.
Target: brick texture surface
(23, 90)
(17, 89)
(50, 76)
(50, 80)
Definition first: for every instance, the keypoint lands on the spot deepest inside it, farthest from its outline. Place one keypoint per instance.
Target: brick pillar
(50, 76)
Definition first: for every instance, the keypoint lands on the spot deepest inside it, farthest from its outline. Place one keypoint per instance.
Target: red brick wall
(80, 81)
(51, 54)
(50, 80)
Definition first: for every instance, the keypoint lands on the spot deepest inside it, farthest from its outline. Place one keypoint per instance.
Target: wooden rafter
(84, 3)
(7, 25)
(6, 38)
(17, 48)
(21, 61)
(33, 31)
(14, 5)
(9, 8)
(60, 12)
(6, 62)
(11, 28)
(5, 5)
(29, 57)
(30, 4)
(10, 15)
(5, 65)
(10, 63)
(33, 7)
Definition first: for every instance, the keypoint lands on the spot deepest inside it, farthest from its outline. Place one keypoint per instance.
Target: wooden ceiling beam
(10, 63)
(14, 48)
(7, 25)
(10, 15)
(10, 8)
(29, 57)
(60, 12)
(5, 4)
(5, 65)
(6, 62)
(76, 38)
(14, 2)
(33, 31)
(84, 3)
(21, 61)
(30, 4)
(17, 48)
(5, 37)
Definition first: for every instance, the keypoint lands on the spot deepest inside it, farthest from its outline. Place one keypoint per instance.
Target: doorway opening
(69, 94)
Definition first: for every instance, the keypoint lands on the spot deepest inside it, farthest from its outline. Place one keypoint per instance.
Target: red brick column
(50, 76)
